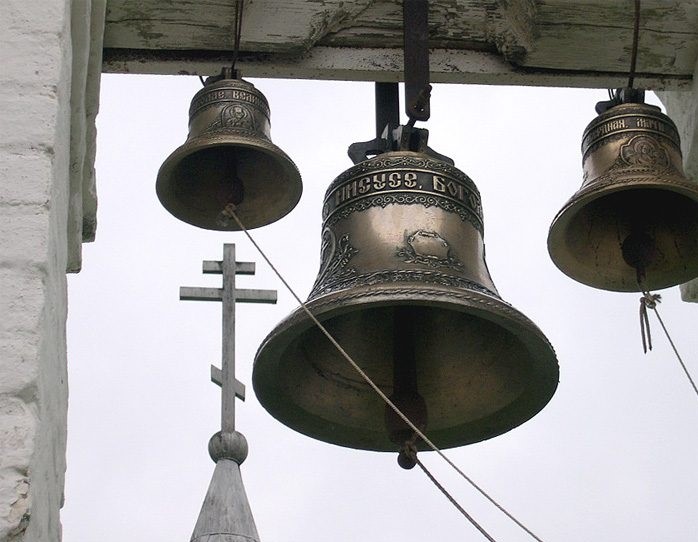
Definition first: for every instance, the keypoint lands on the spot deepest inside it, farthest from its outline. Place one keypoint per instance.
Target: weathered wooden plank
(562, 46)
(452, 24)
(174, 25)
(514, 28)
(385, 65)
(268, 25)
(548, 42)
(597, 34)
(504, 25)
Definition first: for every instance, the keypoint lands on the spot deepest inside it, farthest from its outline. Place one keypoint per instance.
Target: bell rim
(534, 398)
(250, 140)
(597, 189)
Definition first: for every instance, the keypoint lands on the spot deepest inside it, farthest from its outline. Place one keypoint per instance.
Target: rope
(636, 39)
(230, 211)
(453, 501)
(239, 4)
(649, 301)
(236, 39)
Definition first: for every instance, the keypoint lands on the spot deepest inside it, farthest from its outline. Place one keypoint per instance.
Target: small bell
(228, 161)
(633, 224)
(404, 288)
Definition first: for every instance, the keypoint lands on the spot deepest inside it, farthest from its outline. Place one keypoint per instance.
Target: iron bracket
(415, 18)
(621, 96)
(401, 138)
(226, 73)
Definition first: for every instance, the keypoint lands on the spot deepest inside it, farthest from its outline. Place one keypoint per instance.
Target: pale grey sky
(612, 457)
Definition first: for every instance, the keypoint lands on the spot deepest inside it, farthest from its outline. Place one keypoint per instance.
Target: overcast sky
(612, 456)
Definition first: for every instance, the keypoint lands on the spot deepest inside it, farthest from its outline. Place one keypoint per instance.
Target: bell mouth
(201, 177)
(616, 231)
(481, 367)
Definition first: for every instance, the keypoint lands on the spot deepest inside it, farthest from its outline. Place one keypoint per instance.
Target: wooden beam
(268, 26)
(514, 28)
(378, 64)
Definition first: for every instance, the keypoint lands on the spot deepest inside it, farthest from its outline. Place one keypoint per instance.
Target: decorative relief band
(634, 179)
(403, 160)
(640, 156)
(403, 178)
(599, 132)
(428, 248)
(234, 117)
(334, 257)
(399, 181)
(393, 276)
(216, 96)
(404, 198)
(406, 187)
(644, 152)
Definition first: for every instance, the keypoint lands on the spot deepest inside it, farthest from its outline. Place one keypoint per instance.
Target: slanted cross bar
(231, 387)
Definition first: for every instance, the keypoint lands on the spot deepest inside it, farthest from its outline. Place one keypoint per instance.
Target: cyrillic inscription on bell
(633, 224)
(229, 162)
(403, 286)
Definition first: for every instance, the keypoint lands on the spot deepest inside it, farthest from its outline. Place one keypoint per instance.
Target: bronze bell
(633, 225)
(228, 161)
(404, 288)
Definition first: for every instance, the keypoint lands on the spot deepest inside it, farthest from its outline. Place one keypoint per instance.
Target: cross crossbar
(242, 295)
(212, 267)
(217, 378)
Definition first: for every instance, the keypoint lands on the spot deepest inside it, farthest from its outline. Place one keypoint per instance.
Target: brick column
(682, 107)
(36, 55)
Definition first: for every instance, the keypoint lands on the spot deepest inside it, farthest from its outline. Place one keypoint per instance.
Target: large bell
(404, 288)
(633, 224)
(228, 161)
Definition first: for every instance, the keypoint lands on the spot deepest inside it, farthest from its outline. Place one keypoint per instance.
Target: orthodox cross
(225, 514)
(231, 387)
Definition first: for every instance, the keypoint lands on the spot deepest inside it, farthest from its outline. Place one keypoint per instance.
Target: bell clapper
(235, 197)
(405, 395)
(639, 251)
(407, 456)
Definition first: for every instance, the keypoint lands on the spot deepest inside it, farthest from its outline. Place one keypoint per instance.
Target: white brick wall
(35, 54)
(682, 107)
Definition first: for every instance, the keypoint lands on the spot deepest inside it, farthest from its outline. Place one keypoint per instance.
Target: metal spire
(225, 514)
